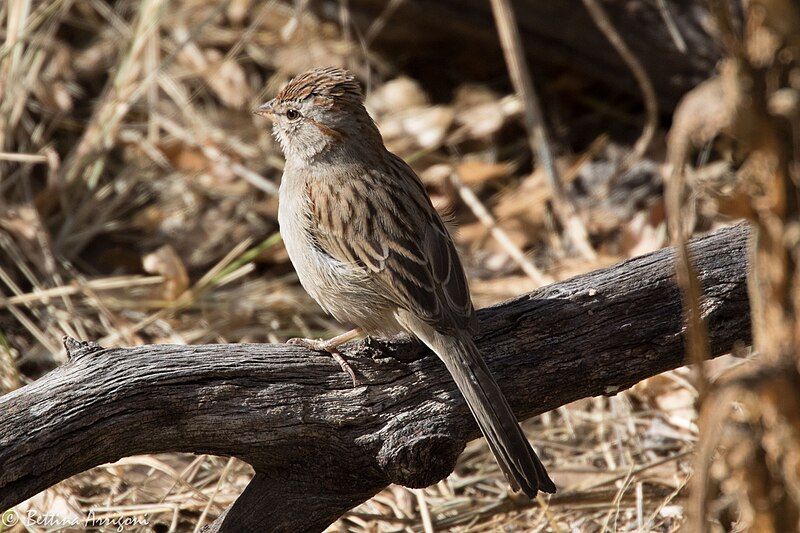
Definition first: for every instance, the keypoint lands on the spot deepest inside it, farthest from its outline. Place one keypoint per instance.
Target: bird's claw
(321, 345)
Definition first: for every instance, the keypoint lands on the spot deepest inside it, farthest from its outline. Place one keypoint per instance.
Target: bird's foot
(332, 347)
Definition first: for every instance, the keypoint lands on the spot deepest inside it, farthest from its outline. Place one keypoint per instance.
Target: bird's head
(319, 111)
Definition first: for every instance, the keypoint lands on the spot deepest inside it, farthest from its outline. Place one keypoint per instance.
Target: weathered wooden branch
(457, 40)
(320, 446)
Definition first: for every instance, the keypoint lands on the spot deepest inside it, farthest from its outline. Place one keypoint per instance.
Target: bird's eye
(292, 114)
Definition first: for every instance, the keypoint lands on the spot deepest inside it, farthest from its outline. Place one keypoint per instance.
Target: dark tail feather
(497, 422)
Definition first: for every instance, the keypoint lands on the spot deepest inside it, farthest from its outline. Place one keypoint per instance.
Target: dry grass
(137, 205)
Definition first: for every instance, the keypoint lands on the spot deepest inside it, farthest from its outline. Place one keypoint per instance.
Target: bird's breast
(345, 290)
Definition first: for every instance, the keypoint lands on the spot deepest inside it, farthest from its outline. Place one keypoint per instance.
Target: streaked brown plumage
(370, 248)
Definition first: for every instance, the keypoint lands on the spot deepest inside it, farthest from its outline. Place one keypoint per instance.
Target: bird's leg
(332, 347)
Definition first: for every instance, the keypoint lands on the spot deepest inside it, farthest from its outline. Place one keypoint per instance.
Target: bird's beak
(265, 110)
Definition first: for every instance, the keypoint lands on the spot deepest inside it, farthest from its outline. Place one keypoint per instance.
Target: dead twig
(486, 218)
(563, 207)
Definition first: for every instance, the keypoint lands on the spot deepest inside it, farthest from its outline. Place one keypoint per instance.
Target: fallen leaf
(166, 262)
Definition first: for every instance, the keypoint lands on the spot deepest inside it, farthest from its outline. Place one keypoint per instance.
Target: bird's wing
(383, 222)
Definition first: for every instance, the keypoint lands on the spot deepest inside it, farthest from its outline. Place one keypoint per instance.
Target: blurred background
(138, 205)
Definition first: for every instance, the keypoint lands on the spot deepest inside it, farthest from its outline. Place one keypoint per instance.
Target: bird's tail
(497, 422)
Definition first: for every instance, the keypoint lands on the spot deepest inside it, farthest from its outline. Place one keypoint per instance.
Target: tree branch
(320, 446)
(440, 39)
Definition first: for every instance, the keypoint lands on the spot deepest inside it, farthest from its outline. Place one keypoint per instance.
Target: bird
(370, 248)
